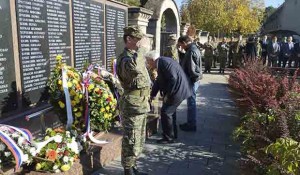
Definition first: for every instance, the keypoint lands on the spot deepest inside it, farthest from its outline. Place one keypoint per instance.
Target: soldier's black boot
(137, 172)
(128, 171)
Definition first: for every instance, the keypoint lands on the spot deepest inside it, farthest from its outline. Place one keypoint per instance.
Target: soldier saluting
(134, 105)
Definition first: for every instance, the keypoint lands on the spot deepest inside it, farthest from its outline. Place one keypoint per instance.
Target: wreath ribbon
(67, 98)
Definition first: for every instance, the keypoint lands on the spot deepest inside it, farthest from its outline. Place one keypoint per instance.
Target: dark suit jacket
(171, 81)
(286, 50)
(264, 47)
(273, 51)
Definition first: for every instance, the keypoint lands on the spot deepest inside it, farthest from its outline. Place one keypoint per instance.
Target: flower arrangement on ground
(14, 145)
(59, 151)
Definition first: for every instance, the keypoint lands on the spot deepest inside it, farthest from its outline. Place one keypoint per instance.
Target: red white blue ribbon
(89, 133)
(12, 145)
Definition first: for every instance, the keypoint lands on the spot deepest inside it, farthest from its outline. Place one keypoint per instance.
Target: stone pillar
(139, 16)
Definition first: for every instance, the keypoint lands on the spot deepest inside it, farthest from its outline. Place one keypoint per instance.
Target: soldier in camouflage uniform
(223, 49)
(208, 54)
(238, 53)
(171, 50)
(134, 103)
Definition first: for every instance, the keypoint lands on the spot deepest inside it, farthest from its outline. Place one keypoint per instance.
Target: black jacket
(171, 81)
(192, 64)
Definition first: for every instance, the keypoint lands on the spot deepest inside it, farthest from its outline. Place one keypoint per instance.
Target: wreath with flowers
(14, 145)
(58, 151)
(57, 94)
(90, 97)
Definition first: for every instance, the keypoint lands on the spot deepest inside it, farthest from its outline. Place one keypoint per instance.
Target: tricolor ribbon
(12, 145)
(67, 98)
(89, 132)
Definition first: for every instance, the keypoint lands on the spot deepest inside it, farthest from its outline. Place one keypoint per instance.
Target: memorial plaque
(43, 30)
(88, 29)
(116, 20)
(8, 90)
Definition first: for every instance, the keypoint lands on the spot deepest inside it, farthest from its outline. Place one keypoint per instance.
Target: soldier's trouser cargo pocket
(132, 104)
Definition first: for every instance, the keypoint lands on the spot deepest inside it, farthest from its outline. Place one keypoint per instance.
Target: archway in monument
(164, 21)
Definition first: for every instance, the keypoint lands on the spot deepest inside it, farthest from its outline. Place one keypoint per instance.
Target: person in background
(175, 87)
(230, 52)
(215, 57)
(264, 47)
(192, 66)
(283, 48)
(134, 103)
(291, 51)
(171, 49)
(297, 55)
(258, 47)
(208, 54)
(250, 49)
(223, 49)
(273, 52)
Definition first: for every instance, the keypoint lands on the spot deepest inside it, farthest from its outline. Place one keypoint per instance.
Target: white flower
(58, 139)
(72, 159)
(32, 151)
(2, 147)
(73, 146)
(55, 167)
(25, 158)
(66, 159)
(68, 134)
(20, 141)
(15, 135)
(57, 171)
(7, 154)
(0, 161)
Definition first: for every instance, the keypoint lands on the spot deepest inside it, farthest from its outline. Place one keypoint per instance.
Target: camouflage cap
(134, 31)
(172, 37)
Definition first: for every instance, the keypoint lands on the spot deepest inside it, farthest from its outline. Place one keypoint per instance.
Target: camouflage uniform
(171, 50)
(223, 49)
(208, 55)
(237, 54)
(134, 103)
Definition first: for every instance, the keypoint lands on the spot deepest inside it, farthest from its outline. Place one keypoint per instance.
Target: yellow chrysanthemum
(58, 58)
(91, 87)
(61, 104)
(105, 95)
(59, 82)
(106, 116)
(80, 96)
(102, 109)
(70, 84)
(78, 114)
(73, 103)
(107, 108)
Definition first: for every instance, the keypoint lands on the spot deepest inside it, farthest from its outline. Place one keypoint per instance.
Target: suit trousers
(168, 120)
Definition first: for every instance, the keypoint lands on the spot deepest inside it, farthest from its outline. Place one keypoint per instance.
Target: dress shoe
(128, 171)
(187, 127)
(165, 141)
(137, 172)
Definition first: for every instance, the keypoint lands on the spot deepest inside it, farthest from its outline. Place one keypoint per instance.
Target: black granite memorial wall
(33, 32)
(115, 22)
(8, 91)
(43, 32)
(88, 31)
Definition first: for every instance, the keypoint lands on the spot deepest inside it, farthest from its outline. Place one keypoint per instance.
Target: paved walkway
(208, 151)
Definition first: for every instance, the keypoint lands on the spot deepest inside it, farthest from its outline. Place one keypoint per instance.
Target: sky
(274, 3)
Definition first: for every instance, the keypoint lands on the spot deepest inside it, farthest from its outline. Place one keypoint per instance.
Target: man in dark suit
(175, 87)
(273, 52)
